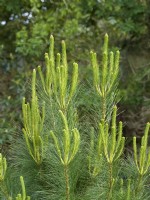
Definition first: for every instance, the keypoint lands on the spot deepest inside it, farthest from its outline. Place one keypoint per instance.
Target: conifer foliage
(54, 159)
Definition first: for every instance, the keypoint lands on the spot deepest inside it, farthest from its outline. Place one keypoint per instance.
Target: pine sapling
(55, 177)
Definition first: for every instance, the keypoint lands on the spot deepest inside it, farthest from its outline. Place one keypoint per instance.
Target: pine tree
(53, 158)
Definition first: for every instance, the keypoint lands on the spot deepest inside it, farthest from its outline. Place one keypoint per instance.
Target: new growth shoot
(113, 143)
(33, 120)
(71, 141)
(23, 195)
(3, 167)
(55, 82)
(142, 159)
(105, 77)
(3, 186)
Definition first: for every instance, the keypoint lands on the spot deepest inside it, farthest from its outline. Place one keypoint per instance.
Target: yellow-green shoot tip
(106, 35)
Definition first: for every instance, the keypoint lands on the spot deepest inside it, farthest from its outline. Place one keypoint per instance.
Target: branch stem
(103, 107)
(138, 188)
(67, 182)
(110, 182)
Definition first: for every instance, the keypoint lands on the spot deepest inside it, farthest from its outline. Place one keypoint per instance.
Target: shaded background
(25, 27)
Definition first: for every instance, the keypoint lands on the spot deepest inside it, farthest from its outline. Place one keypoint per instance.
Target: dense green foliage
(62, 155)
(74, 157)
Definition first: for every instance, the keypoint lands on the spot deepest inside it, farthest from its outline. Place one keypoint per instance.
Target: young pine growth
(105, 77)
(67, 150)
(95, 154)
(113, 144)
(129, 190)
(3, 186)
(3, 167)
(55, 82)
(125, 190)
(109, 145)
(142, 159)
(62, 175)
(23, 195)
(71, 141)
(33, 121)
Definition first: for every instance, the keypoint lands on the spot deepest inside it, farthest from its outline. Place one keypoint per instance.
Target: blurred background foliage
(25, 27)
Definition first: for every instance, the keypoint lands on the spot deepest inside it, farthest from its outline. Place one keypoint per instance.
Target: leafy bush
(63, 156)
